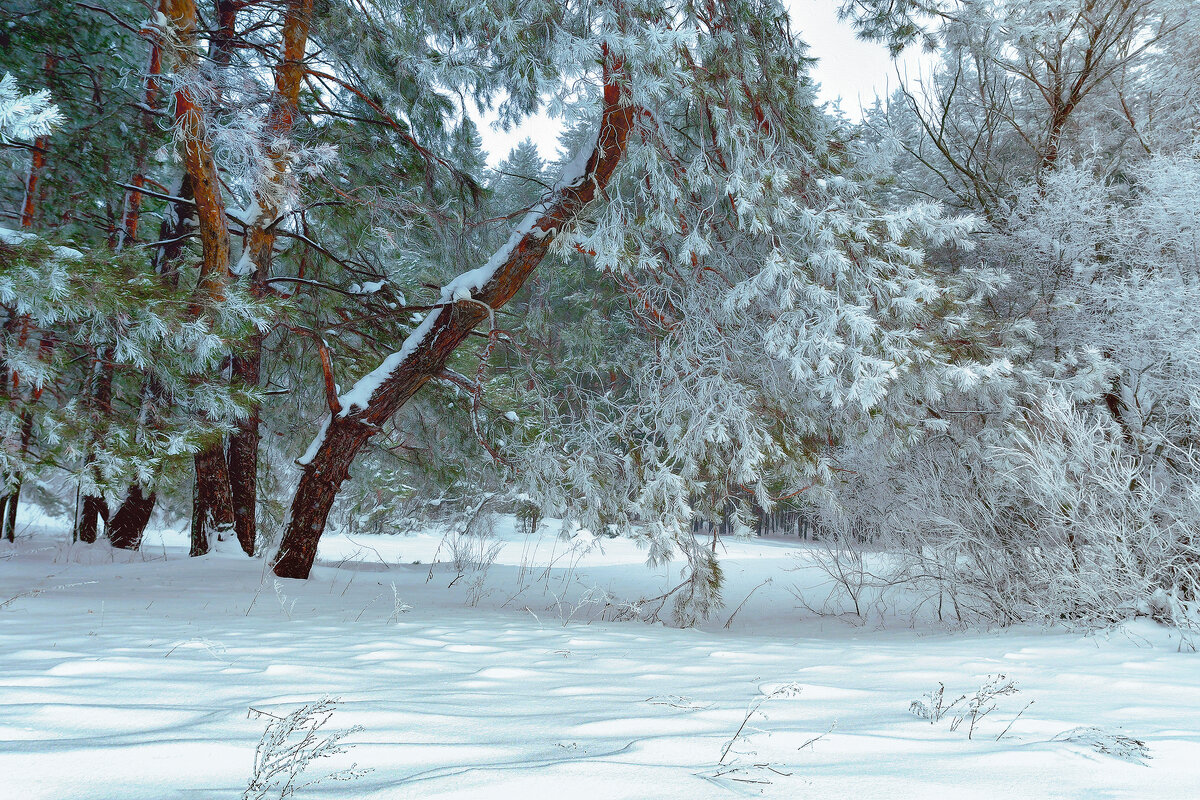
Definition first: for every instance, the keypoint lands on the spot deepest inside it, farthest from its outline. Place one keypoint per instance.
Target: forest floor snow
(132, 676)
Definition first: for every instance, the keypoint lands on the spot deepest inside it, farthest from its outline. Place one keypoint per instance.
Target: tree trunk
(212, 508)
(425, 352)
(177, 225)
(88, 525)
(45, 350)
(212, 503)
(243, 451)
(191, 118)
(14, 497)
(260, 241)
(10, 512)
(100, 403)
(36, 166)
(128, 525)
(131, 214)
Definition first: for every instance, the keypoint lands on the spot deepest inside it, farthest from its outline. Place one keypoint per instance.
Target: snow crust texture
(131, 677)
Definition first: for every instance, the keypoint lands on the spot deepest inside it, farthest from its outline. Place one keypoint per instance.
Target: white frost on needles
(25, 116)
(462, 287)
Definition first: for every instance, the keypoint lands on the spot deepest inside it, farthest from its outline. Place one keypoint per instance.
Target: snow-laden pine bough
(466, 302)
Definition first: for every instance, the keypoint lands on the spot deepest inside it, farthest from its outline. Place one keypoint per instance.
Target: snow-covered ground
(133, 677)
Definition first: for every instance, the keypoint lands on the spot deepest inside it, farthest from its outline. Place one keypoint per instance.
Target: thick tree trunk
(212, 503)
(316, 493)
(128, 525)
(426, 351)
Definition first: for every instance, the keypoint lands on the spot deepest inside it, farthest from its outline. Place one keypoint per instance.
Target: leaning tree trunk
(466, 302)
(128, 525)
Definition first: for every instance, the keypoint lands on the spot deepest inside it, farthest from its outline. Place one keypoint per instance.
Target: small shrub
(290, 744)
(971, 709)
(1107, 743)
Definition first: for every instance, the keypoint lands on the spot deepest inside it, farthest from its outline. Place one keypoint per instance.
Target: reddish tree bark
(190, 118)
(212, 509)
(37, 165)
(346, 432)
(260, 240)
(133, 198)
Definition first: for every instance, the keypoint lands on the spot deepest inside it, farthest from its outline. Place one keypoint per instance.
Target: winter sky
(847, 67)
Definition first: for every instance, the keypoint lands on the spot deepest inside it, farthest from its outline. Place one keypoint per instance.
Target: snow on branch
(491, 285)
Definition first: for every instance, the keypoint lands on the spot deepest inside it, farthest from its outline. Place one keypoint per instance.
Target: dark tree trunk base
(212, 504)
(94, 509)
(4, 532)
(127, 527)
(10, 515)
(319, 485)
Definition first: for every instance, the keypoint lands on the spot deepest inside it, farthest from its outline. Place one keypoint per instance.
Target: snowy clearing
(132, 676)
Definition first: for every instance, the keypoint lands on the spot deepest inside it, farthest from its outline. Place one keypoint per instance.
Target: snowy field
(132, 676)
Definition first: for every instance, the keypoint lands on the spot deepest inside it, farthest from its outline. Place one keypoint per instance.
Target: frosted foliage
(1063, 526)
(262, 170)
(779, 307)
(139, 327)
(1113, 267)
(1018, 88)
(24, 117)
